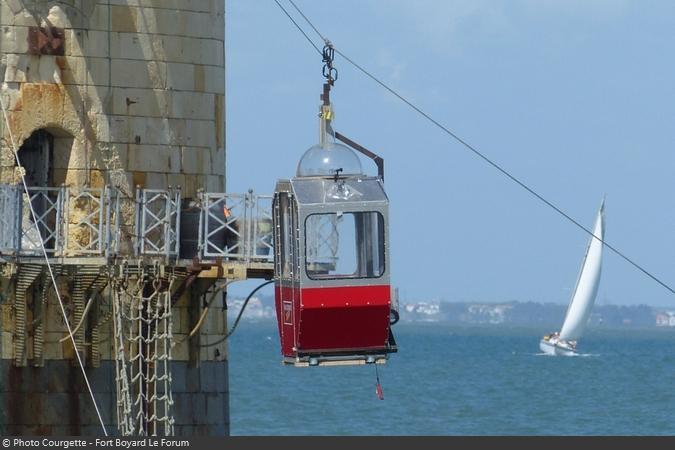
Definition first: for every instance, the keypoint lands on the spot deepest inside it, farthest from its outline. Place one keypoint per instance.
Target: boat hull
(555, 350)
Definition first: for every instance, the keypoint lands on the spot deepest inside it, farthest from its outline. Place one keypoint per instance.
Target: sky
(576, 98)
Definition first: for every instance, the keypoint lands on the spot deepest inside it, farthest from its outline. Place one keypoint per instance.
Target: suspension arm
(379, 161)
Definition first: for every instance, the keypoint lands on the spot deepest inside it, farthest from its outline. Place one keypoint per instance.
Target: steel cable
(470, 147)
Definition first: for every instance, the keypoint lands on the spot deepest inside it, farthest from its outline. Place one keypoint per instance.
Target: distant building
(255, 310)
(665, 319)
(486, 313)
(422, 311)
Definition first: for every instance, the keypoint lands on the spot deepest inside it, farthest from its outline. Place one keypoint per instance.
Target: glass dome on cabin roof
(327, 159)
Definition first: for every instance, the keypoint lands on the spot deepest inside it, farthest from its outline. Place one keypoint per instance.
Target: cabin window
(286, 236)
(344, 245)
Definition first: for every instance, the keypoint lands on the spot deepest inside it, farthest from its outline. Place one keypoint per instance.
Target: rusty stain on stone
(46, 41)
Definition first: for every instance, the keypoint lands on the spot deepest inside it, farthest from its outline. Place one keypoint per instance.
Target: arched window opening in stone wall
(36, 155)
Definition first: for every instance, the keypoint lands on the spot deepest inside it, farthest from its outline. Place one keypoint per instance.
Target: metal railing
(158, 222)
(85, 218)
(10, 219)
(45, 226)
(88, 222)
(21, 233)
(68, 221)
(236, 226)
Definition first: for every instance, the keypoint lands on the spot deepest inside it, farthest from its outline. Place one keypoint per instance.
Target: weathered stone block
(217, 160)
(132, 46)
(193, 379)
(46, 109)
(175, 179)
(109, 157)
(97, 179)
(201, 134)
(215, 410)
(215, 183)
(77, 177)
(141, 102)
(57, 17)
(26, 379)
(199, 407)
(183, 408)
(155, 180)
(14, 40)
(181, 352)
(78, 70)
(98, 18)
(106, 404)
(219, 116)
(69, 154)
(59, 409)
(112, 128)
(154, 158)
(178, 380)
(195, 160)
(17, 66)
(7, 347)
(211, 53)
(138, 74)
(180, 76)
(192, 105)
(124, 18)
(89, 43)
(213, 376)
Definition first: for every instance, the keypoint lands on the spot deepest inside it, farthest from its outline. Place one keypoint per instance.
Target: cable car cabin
(332, 292)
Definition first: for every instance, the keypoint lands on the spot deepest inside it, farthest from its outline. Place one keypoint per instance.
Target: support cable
(49, 266)
(241, 313)
(298, 27)
(473, 149)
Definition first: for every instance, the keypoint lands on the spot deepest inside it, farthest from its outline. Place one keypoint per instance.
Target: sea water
(449, 380)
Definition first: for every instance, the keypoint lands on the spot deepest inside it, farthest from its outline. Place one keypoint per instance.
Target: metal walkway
(225, 235)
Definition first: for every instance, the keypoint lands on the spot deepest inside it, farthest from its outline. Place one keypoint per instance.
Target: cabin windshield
(344, 245)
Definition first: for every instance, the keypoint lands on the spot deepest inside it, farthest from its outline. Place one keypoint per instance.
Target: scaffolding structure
(87, 223)
(120, 256)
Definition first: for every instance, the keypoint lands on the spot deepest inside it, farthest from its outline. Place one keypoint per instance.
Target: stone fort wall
(137, 98)
(132, 93)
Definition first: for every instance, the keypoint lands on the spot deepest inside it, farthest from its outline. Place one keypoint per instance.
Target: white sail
(586, 289)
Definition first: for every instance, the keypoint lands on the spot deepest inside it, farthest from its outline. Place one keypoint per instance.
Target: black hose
(241, 312)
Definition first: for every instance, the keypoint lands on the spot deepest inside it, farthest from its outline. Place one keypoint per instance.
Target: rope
(84, 316)
(474, 150)
(200, 322)
(49, 268)
(144, 371)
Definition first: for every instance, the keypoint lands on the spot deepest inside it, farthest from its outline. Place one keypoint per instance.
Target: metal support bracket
(379, 161)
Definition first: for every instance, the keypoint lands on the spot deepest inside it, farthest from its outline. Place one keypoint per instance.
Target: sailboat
(564, 343)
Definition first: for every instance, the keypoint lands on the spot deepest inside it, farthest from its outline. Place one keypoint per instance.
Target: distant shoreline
(547, 316)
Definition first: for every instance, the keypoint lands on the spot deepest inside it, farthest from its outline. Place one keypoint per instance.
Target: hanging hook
(329, 72)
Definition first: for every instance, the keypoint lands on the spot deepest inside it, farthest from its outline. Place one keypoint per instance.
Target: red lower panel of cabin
(333, 320)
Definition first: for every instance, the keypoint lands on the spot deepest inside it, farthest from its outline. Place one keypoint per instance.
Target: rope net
(143, 335)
